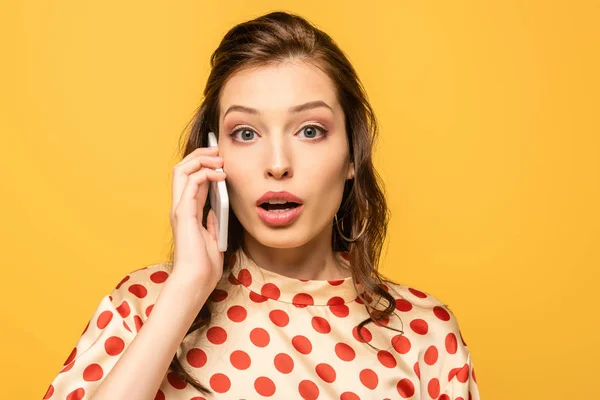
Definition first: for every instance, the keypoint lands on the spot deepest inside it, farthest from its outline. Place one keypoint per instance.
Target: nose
(278, 160)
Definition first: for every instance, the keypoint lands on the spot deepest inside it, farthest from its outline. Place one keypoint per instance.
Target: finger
(194, 194)
(182, 171)
(209, 151)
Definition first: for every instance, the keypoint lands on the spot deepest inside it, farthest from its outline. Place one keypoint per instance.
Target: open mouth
(279, 207)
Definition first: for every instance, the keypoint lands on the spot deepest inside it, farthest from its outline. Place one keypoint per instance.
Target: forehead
(278, 86)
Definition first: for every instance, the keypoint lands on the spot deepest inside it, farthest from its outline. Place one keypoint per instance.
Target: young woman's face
(275, 149)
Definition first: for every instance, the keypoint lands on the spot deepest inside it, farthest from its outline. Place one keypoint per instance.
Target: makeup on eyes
(324, 132)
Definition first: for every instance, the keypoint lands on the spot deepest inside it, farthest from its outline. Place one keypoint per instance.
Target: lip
(279, 218)
(283, 195)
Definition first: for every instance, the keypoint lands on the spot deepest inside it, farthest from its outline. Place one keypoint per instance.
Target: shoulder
(426, 314)
(135, 294)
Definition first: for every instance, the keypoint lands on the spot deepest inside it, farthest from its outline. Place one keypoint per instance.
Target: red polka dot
(302, 344)
(257, 298)
(176, 381)
(301, 300)
(149, 310)
(71, 356)
(216, 335)
(283, 363)
(138, 322)
(159, 276)
(433, 388)
(320, 325)
(446, 397)
(349, 396)
(237, 313)
(240, 359)
(431, 355)
(325, 372)
(76, 394)
(403, 305)
(114, 345)
(335, 282)
(308, 390)
(68, 367)
(86, 328)
(417, 370)
(451, 343)
(345, 255)
(244, 277)
(337, 307)
(401, 344)
(220, 383)
(138, 290)
(233, 280)
(369, 378)
(264, 386)
(279, 317)
(386, 358)
(441, 313)
(419, 326)
(49, 392)
(382, 321)
(104, 318)
(463, 374)
(364, 332)
(93, 372)
(405, 388)
(344, 352)
(126, 326)
(218, 295)
(196, 357)
(125, 279)
(270, 290)
(259, 337)
(198, 398)
(384, 287)
(124, 309)
(159, 395)
(417, 293)
(453, 373)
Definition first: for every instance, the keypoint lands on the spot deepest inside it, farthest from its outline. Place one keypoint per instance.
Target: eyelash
(324, 131)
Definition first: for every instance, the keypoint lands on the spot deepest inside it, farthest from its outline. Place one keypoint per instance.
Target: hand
(196, 256)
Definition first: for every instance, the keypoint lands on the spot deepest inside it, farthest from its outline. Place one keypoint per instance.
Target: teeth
(277, 201)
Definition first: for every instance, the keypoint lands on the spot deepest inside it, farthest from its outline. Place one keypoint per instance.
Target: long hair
(276, 37)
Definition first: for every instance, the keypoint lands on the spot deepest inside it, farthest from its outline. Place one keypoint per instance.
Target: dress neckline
(264, 284)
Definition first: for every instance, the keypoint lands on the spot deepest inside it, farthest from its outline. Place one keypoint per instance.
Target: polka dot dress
(272, 336)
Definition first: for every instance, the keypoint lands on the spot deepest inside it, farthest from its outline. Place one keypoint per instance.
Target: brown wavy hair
(277, 37)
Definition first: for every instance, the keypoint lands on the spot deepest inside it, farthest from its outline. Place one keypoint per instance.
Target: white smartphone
(219, 202)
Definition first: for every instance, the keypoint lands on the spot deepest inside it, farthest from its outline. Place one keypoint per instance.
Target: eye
(245, 133)
(311, 130)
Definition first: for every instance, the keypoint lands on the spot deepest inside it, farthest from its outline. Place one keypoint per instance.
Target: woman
(295, 308)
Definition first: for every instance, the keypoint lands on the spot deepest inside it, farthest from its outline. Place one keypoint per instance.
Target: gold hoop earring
(342, 235)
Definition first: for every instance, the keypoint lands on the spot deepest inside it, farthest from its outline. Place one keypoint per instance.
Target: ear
(350, 174)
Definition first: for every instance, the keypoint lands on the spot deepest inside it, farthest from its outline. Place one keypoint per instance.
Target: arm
(121, 356)
(446, 365)
(140, 370)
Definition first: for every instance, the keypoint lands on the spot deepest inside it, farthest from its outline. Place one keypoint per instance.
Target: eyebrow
(294, 109)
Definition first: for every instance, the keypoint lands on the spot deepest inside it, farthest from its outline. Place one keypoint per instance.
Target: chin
(280, 238)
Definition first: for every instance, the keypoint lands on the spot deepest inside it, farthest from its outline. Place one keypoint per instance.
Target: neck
(314, 260)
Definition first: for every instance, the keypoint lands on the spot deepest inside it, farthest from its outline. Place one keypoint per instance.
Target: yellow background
(489, 149)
